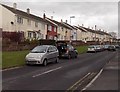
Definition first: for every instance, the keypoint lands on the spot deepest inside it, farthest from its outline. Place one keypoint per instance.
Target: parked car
(92, 48)
(117, 46)
(42, 54)
(106, 47)
(66, 50)
(99, 48)
(111, 48)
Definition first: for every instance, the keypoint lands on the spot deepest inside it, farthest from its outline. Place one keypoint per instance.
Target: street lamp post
(95, 33)
(70, 32)
(70, 18)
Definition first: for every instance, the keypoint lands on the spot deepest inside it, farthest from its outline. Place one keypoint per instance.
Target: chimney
(82, 25)
(28, 10)
(44, 16)
(14, 5)
(66, 21)
(95, 27)
(61, 21)
(51, 17)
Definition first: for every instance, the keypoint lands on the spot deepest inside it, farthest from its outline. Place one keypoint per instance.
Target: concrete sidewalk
(108, 79)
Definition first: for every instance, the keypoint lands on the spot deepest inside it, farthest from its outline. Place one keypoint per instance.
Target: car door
(50, 54)
(54, 53)
(72, 52)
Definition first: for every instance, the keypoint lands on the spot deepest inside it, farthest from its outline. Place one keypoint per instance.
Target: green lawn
(81, 49)
(17, 58)
(13, 58)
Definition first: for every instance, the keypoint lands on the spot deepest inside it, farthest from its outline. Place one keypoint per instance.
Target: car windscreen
(91, 47)
(39, 49)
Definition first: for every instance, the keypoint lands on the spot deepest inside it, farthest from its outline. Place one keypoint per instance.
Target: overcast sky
(102, 14)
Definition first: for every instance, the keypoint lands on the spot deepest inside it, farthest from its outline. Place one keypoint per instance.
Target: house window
(34, 35)
(49, 28)
(29, 21)
(29, 35)
(55, 29)
(58, 36)
(62, 28)
(36, 24)
(19, 19)
(42, 36)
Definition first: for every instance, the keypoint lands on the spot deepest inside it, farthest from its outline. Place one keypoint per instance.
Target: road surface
(65, 75)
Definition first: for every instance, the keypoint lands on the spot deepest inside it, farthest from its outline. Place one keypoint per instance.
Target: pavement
(108, 79)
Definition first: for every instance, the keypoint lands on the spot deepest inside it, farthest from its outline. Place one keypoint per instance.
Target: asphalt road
(62, 76)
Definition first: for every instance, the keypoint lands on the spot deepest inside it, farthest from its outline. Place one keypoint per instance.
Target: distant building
(113, 34)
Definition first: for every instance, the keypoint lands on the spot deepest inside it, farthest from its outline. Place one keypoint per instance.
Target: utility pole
(70, 32)
(95, 34)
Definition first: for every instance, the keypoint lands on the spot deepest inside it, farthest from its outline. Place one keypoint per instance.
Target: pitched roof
(25, 14)
(81, 29)
(59, 23)
(90, 30)
(72, 27)
(98, 32)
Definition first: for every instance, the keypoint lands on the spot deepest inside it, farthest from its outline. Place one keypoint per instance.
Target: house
(81, 33)
(51, 29)
(63, 30)
(90, 34)
(34, 27)
(72, 32)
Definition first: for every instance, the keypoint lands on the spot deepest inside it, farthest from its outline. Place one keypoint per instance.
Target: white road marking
(92, 80)
(46, 72)
(77, 82)
(112, 67)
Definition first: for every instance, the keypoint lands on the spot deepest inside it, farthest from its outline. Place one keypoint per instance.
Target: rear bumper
(63, 55)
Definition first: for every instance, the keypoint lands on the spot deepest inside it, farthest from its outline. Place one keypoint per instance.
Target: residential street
(66, 75)
(109, 78)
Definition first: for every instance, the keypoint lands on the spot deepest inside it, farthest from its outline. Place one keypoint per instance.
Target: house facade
(51, 29)
(63, 30)
(34, 27)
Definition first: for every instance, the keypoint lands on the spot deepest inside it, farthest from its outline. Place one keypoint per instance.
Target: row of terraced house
(35, 27)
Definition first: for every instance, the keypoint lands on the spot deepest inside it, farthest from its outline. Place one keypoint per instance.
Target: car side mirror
(48, 51)
(74, 48)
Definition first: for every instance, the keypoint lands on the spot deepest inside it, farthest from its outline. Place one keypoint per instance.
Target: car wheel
(57, 60)
(69, 56)
(45, 62)
(76, 56)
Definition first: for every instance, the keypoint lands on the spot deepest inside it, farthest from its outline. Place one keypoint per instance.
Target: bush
(13, 36)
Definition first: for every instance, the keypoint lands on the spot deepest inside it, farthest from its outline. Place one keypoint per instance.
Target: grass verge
(13, 58)
(81, 49)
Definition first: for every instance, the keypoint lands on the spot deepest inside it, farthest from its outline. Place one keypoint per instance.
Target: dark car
(111, 48)
(66, 50)
(117, 46)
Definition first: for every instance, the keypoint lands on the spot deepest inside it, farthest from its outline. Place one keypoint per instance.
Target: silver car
(92, 48)
(42, 54)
